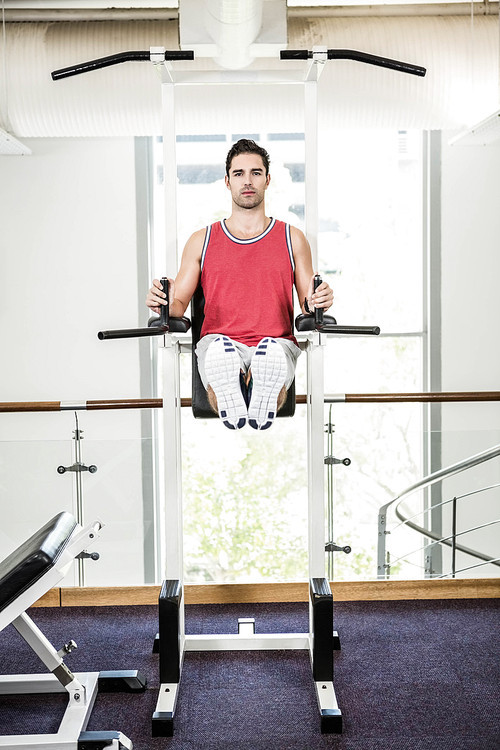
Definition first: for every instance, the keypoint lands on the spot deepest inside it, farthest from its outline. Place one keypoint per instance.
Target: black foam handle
(120, 57)
(318, 311)
(352, 54)
(131, 333)
(295, 54)
(165, 309)
(382, 62)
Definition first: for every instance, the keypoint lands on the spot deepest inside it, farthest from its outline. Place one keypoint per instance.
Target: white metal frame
(313, 343)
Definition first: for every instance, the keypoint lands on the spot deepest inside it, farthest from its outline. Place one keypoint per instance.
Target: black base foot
(101, 740)
(156, 644)
(331, 721)
(122, 681)
(162, 724)
(336, 641)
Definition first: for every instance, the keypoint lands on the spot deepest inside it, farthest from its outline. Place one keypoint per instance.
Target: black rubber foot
(101, 740)
(162, 724)
(122, 681)
(156, 644)
(331, 721)
(336, 641)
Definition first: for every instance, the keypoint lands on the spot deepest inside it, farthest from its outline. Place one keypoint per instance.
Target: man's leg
(272, 369)
(219, 365)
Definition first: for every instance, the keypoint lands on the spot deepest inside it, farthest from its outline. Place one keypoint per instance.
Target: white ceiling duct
(125, 99)
(233, 32)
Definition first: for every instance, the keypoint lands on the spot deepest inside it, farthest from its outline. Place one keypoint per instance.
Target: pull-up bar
(179, 55)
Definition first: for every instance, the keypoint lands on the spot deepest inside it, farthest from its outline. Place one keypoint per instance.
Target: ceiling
(76, 10)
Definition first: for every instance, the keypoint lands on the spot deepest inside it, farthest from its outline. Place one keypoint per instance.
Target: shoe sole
(269, 370)
(222, 368)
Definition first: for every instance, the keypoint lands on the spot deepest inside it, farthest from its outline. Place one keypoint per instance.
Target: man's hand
(155, 298)
(322, 297)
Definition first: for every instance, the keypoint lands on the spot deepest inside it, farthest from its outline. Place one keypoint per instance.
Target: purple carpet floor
(413, 675)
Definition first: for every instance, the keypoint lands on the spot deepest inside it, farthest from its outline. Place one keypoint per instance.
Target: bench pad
(23, 567)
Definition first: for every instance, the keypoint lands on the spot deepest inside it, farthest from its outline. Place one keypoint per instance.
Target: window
(245, 494)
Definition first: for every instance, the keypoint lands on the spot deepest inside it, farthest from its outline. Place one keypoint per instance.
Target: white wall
(470, 306)
(68, 268)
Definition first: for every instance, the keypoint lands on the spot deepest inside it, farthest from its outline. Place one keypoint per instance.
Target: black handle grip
(382, 62)
(350, 330)
(165, 309)
(105, 62)
(318, 311)
(131, 333)
(351, 54)
(295, 54)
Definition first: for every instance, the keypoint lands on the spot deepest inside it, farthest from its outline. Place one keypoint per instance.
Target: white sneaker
(269, 370)
(222, 368)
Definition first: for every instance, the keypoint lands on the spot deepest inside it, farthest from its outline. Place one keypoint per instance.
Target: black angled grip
(105, 62)
(351, 54)
(382, 62)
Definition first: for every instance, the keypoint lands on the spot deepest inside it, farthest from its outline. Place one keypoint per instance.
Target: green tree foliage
(246, 521)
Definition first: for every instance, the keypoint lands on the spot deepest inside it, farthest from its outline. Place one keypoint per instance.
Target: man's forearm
(177, 308)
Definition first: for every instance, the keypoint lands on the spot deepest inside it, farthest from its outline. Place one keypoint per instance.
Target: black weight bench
(25, 575)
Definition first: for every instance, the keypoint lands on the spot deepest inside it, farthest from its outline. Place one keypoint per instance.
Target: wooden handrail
(442, 397)
(157, 403)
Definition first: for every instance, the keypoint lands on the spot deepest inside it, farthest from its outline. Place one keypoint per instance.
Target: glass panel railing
(41, 478)
(246, 496)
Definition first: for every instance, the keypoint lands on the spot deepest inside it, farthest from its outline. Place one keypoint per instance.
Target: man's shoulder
(293, 229)
(194, 245)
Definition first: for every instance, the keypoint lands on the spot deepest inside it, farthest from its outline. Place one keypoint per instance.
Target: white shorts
(292, 353)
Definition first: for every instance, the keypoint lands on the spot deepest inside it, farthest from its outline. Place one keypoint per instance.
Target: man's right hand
(155, 298)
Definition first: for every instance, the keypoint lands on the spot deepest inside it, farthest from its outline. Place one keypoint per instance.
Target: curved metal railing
(384, 563)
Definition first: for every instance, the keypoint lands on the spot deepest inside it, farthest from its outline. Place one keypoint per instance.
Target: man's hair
(246, 146)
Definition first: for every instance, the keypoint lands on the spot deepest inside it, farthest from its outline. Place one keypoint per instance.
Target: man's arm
(182, 289)
(304, 275)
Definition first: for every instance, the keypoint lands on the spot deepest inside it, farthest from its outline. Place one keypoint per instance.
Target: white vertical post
(172, 464)
(311, 149)
(169, 169)
(315, 455)
(315, 376)
(169, 354)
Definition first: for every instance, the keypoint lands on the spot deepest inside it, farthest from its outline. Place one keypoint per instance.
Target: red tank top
(248, 284)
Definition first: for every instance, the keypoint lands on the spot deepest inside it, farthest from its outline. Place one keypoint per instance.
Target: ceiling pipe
(233, 25)
(125, 100)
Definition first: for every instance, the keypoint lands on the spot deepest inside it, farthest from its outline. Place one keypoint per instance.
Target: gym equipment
(172, 642)
(25, 575)
(313, 330)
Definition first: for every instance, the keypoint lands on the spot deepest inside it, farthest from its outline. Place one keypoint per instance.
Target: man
(247, 266)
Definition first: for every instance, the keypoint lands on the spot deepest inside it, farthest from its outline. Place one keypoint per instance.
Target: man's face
(247, 180)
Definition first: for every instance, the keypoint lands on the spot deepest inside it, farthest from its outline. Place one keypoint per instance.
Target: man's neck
(245, 224)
